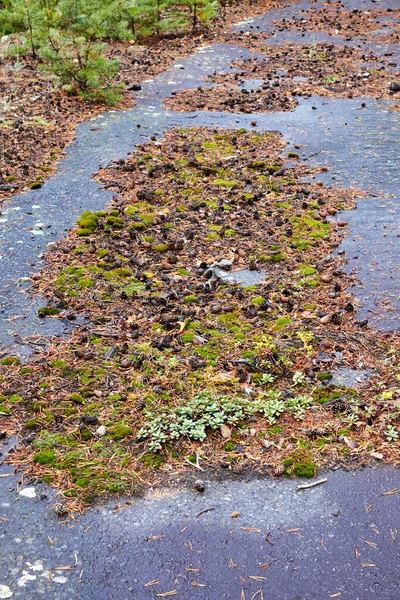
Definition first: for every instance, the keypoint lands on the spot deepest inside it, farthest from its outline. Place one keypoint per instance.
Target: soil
(159, 327)
(289, 71)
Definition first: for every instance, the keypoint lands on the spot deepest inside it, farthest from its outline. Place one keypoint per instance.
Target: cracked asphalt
(254, 539)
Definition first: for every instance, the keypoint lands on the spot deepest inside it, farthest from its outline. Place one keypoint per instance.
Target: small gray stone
(101, 431)
(199, 486)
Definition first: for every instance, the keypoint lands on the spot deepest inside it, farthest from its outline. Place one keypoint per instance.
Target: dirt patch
(288, 71)
(175, 364)
(335, 21)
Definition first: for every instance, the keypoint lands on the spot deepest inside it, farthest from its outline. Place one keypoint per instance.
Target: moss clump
(115, 222)
(35, 185)
(278, 257)
(86, 434)
(257, 164)
(120, 431)
(224, 183)
(77, 399)
(305, 469)
(209, 145)
(87, 223)
(44, 457)
(9, 361)
(75, 270)
(293, 155)
(239, 336)
(47, 311)
(160, 247)
(258, 300)
(58, 364)
(83, 482)
(324, 376)
(187, 337)
(119, 273)
(153, 461)
(15, 398)
(190, 299)
(32, 424)
(229, 446)
(307, 269)
(85, 282)
(275, 430)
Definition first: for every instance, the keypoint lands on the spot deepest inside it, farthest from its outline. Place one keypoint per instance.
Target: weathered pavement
(336, 540)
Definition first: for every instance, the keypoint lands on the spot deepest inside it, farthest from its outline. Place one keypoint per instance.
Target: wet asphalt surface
(337, 540)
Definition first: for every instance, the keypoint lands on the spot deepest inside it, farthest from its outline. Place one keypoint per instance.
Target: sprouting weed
(207, 411)
(267, 378)
(298, 377)
(352, 419)
(391, 433)
(369, 411)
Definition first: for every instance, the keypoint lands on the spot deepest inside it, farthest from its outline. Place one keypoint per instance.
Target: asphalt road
(337, 540)
(237, 540)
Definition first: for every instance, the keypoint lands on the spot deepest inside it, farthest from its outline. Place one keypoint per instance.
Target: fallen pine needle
(206, 510)
(149, 583)
(368, 565)
(232, 565)
(390, 492)
(256, 578)
(264, 566)
(199, 584)
(192, 570)
(372, 544)
(335, 595)
(166, 594)
(306, 486)
(251, 529)
(293, 530)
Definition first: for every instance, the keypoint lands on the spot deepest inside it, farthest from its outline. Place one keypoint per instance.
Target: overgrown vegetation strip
(174, 364)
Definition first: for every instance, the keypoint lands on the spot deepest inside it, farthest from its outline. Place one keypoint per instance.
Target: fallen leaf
(226, 432)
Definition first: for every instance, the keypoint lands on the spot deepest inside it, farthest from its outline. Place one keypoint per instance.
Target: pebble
(199, 486)
(101, 431)
(28, 492)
